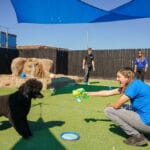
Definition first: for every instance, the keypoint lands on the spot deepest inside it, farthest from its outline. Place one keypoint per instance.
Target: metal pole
(87, 39)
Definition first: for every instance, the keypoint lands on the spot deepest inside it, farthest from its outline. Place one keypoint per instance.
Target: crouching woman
(135, 121)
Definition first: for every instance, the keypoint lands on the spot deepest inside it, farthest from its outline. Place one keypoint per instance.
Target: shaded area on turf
(42, 138)
(5, 125)
(117, 130)
(95, 120)
(53, 115)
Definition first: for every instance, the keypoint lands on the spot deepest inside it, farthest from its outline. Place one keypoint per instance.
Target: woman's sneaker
(138, 140)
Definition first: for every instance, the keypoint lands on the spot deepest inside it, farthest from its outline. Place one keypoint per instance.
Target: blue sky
(108, 35)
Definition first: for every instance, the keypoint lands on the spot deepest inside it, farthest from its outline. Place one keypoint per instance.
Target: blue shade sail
(113, 17)
(77, 11)
(55, 11)
(135, 8)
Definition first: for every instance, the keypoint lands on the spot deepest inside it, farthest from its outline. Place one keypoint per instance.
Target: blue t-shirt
(141, 64)
(139, 93)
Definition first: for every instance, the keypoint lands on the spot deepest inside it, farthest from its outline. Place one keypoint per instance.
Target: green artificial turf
(53, 115)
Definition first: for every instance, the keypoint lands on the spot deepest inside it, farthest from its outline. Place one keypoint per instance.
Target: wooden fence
(6, 57)
(58, 55)
(107, 62)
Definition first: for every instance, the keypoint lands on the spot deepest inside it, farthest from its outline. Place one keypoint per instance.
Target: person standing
(141, 65)
(88, 64)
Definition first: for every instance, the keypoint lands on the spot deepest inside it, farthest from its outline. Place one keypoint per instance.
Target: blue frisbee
(70, 136)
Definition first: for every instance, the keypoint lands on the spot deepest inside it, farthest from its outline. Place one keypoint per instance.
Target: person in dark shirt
(88, 64)
(141, 65)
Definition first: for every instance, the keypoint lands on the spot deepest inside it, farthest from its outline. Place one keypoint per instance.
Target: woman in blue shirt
(141, 65)
(134, 120)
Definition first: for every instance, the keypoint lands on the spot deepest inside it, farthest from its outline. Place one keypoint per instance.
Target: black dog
(16, 106)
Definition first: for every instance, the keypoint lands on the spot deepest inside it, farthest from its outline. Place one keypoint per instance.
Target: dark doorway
(62, 62)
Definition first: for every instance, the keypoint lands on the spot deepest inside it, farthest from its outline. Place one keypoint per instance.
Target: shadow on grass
(113, 128)
(40, 125)
(5, 125)
(117, 130)
(94, 82)
(95, 120)
(42, 138)
(65, 90)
